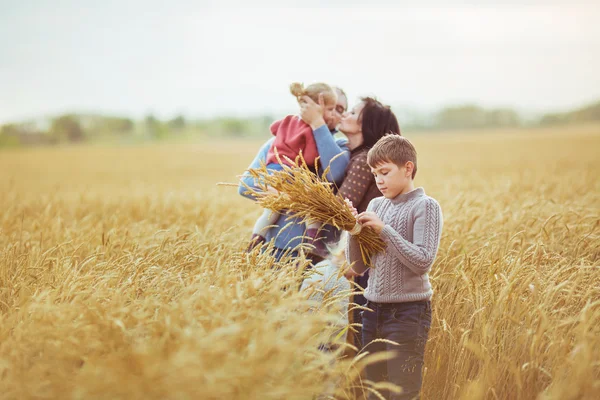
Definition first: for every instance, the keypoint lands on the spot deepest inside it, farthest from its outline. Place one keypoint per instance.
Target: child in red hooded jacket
(292, 137)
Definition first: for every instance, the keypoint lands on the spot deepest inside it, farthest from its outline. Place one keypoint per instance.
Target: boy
(398, 292)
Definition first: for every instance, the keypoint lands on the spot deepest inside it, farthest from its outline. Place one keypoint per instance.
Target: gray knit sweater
(413, 226)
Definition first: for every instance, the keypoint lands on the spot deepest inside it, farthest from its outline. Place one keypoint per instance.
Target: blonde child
(292, 137)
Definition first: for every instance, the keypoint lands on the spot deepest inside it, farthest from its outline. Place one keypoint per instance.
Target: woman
(364, 125)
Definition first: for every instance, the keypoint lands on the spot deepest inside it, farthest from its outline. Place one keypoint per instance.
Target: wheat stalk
(303, 194)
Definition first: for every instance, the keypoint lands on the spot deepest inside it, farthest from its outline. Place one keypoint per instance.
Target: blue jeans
(408, 325)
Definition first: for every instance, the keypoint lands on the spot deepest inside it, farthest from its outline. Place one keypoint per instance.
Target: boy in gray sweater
(398, 292)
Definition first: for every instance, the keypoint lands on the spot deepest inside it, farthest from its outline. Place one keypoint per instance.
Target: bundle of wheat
(303, 194)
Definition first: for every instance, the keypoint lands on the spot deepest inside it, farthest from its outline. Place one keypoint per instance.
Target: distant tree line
(77, 128)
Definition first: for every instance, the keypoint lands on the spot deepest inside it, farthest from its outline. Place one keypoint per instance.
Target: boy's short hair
(395, 149)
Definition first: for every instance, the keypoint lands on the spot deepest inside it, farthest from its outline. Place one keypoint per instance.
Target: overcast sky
(200, 59)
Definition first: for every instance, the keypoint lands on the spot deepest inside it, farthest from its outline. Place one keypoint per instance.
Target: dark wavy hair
(377, 120)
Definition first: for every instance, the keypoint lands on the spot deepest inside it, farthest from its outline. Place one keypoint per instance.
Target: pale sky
(209, 58)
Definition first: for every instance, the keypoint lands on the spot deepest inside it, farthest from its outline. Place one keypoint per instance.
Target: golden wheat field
(122, 275)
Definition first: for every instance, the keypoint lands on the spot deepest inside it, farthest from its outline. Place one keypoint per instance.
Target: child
(292, 136)
(398, 292)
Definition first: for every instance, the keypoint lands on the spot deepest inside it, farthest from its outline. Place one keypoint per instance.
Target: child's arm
(419, 255)
(261, 157)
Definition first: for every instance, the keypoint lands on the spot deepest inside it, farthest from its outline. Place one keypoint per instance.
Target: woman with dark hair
(363, 126)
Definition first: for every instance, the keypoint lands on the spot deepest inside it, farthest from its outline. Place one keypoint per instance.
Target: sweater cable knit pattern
(413, 225)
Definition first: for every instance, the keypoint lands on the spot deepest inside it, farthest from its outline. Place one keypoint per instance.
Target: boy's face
(392, 180)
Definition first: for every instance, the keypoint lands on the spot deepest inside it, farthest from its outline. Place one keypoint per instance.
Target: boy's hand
(369, 218)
